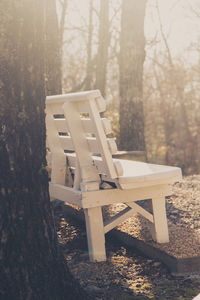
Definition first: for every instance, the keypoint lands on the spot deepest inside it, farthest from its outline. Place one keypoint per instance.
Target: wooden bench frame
(90, 170)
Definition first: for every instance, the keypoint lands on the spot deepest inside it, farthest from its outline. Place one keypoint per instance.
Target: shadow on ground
(125, 275)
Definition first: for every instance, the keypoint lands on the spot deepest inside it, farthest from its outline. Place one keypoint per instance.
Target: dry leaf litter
(126, 274)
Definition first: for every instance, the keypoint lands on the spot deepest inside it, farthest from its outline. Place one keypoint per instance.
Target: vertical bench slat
(58, 158)
(106, 154)
(88, 172)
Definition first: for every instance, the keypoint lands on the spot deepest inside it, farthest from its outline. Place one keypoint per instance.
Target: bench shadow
(125, 275)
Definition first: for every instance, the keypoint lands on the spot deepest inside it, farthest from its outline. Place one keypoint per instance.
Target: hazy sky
(179, 24)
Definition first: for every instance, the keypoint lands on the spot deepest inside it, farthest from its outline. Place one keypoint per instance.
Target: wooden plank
(141, 211)
(101, 104)
(106, 126)
(118, 167)
(96, 159)
(112, 146)
(106, 148)
(118, 218)
(149, 182)
(160, 220)
(61, 125)
(56, 108)
(98, 163)
(88, 171)
(52, 135)
(79, 96)
(95, 234)
(81, 106)
(67, 143)
(58, 168)
(65, 194)
(105, 197)
(77, 176)
(57, 101)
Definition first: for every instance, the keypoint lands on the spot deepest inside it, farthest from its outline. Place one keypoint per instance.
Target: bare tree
(132, 55)
(103, 43)
(63, 4)
(53, 53)
(88, 80)
(176, 79)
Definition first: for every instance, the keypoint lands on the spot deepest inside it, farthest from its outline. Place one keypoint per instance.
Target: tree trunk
(61, 32)
(89, 49)
(103, 43)
(53, 53)
(132, 55)
(31, 264)
(64, 4)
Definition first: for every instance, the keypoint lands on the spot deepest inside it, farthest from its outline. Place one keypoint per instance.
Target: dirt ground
(126, 274)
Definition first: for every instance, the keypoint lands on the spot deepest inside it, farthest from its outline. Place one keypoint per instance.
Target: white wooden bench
(76, 132)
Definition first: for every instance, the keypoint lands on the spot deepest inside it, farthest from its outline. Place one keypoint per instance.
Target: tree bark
(132, 55)
(31, 265)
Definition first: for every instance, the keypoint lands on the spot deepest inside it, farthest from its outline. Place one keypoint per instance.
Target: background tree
(53, 47)
(63, 4)
(171, 105)
(132, 55)
(89, 68)
(103, 44)
(171, 78)
(32, 266)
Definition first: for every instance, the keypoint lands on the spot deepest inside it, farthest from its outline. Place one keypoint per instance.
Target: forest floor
(127, 274)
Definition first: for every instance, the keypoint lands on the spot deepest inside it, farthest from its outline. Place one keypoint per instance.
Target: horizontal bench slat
(57, 109)
(64, 193)
(98, 163)
(79, 96)
(61, 125)
(67, 144)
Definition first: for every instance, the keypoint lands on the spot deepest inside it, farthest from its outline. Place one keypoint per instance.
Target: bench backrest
(75, 129)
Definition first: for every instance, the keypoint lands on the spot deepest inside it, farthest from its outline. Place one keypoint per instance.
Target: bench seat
(138, 174)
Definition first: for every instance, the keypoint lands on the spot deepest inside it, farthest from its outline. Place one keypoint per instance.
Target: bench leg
(160, 231)
(95, 234)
